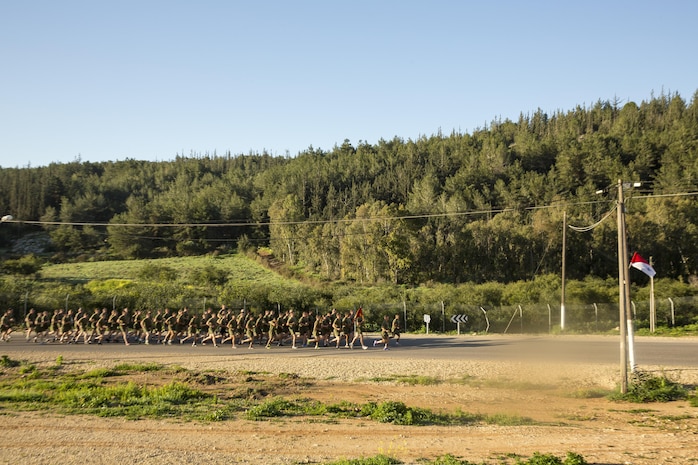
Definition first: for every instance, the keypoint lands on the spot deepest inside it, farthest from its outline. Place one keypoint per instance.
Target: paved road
(670, 352)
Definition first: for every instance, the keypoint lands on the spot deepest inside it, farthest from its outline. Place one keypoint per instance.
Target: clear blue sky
(146, 79)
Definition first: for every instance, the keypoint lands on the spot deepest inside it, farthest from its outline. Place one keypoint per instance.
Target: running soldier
(81, 326)
(30, 324)
(395, 328)
(250, 330)
(304, 327)
(7, 321)
(292, 324)
(347, 329)
(385, 333)
(123, 322)
(66, 327)
(147, 326)
(336, 327)
(232, 327)
(42, 324)
(211, 323)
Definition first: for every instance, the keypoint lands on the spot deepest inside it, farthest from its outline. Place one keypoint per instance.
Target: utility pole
(653, 310)
(623, 290)
(564, 254)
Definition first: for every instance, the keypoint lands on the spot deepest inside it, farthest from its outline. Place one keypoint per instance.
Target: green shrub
(645, 387)
(7, 362)
(276, 407)
(549, 459)
(153, 272)
(27, 265)
(376, 460)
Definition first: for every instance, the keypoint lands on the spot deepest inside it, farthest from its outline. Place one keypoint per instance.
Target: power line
(245, 223)
(590, 227)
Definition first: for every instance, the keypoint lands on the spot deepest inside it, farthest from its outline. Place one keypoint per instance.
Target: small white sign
(427, 318)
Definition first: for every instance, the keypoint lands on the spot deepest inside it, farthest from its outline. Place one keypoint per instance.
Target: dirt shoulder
(555, 397)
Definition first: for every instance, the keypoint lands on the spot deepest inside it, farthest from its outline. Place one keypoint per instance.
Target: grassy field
(236, 267)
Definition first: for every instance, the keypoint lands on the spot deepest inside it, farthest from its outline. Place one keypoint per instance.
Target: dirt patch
(564, 413)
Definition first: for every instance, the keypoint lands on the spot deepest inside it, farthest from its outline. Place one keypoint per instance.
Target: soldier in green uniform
(292, 324)
(54, 328)
(123, 322)
(317, 334)
(168, 325)
(30, 324)
(147, 326)
(66, 327)
(304, 328)
(250, 330)
(81, 326)
(102, 326)
(395, 328)
(7, 322)
(42, 324)
(210, 319)
(385, 333)
(347, 328)
(273, 322)
(336, 327)
(192, 330)
(231, 325)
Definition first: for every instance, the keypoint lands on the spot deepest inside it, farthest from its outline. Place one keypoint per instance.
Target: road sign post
(458, 319)
(427, 319)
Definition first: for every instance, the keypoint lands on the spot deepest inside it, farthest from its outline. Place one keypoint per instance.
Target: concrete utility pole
(623, 290)
(653, 310)
(564, 254)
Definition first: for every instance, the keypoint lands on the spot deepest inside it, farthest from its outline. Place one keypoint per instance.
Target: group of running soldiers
(267, 328)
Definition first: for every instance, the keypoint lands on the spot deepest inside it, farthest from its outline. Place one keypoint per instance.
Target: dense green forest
(456, 208)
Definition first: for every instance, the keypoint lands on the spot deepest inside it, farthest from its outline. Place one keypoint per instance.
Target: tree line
(462, 207)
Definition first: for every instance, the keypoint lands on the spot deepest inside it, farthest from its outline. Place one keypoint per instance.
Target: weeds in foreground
(7, 362)
(644, 387)
(537, 459)
(693, 398)
(101, 392)
(412, 380)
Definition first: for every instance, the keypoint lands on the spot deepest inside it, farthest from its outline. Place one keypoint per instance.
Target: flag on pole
(641, 264)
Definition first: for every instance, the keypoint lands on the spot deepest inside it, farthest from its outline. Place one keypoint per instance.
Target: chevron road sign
(458, 319)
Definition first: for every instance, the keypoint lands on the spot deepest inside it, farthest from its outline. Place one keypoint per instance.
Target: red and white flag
(641, 264)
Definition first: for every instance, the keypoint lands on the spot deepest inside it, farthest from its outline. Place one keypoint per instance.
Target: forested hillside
(452, 208)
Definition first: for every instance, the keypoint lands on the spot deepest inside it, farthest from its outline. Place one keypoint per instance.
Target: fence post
(596, 316)
(513, 315)
(404, 315)
(443, 318)
(673, 316)
(487, 320)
